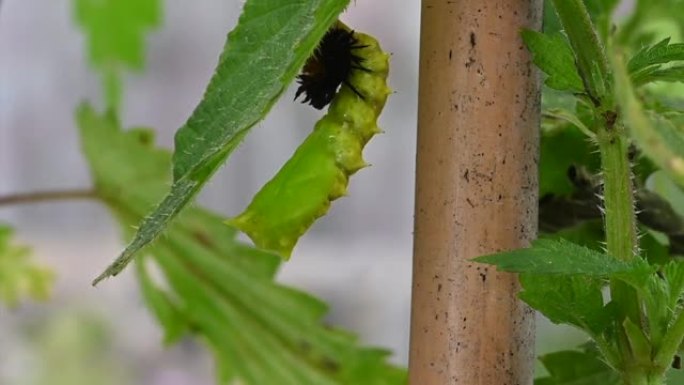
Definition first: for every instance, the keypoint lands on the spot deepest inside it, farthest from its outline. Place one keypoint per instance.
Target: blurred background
(358, 257)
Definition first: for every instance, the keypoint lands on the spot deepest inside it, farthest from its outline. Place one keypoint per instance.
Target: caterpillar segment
(318, 172)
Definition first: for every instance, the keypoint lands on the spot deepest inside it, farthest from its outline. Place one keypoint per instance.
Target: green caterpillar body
(319, 170)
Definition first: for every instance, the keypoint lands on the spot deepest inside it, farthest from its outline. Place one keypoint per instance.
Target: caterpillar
(329, 67)
(319, 170)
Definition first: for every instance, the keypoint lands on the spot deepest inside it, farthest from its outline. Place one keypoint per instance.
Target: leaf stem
(46, 196)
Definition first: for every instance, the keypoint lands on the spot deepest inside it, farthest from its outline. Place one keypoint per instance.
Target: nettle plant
(612, 163)
(611, 168)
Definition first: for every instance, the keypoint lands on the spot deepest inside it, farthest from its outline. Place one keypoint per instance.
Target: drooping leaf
(560, 257)
(20, 277)
(571, 367)
(115, 31)
(262, 55)
(553, 55)
(210, 284)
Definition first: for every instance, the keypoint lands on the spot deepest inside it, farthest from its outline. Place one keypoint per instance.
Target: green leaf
(647, 65)
(656, 135)
(569, 117)
(19, 276)
(260, 332)
(262, 55)
(670, 74)
(660, 53)
(115, 32)
(639, 343)
(572, 300)
(557, 256)
(172, 319)
(553, 55)
(572, 367)
(661, 293)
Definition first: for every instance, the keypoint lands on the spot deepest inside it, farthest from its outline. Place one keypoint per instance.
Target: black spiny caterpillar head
(329, 67)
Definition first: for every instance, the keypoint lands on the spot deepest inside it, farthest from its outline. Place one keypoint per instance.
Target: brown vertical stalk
(476, 192)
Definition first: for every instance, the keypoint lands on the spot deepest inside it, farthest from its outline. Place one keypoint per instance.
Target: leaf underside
(261, 333)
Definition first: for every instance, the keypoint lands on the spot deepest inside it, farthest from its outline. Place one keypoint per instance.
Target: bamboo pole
(476, 192)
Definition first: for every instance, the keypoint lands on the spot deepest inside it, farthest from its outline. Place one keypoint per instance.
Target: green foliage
(549, 256)
(661, 53)
(637, 329)
(655, 134)
(115, 30)
(319, 171)
(19, 276)
(650, 21)
(590, 57)
(661, 294)
(263, 333)
(260, 332)
(262, 56)
(553, 55)
(572, 300)
(572, 367)
(647, 65)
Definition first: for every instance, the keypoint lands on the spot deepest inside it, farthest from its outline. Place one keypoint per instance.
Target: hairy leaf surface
(557, 256)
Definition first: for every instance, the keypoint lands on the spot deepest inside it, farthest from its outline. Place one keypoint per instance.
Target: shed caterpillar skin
(319, 171)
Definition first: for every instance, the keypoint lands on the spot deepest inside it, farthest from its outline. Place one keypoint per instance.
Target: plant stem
(620, 218)
(591, 57)
(46, 196)
(620, 228)
(639, 377)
